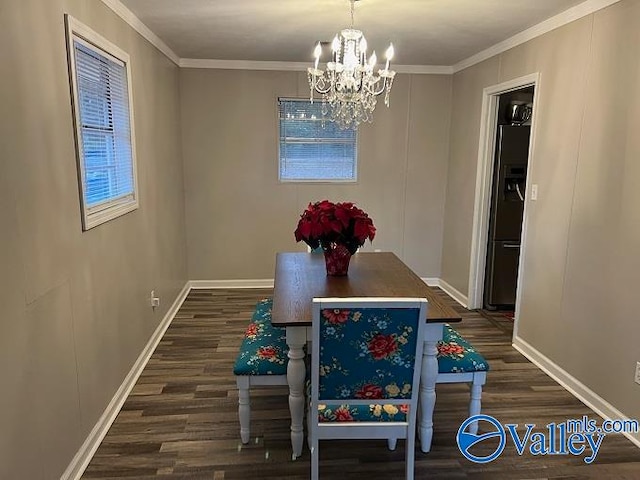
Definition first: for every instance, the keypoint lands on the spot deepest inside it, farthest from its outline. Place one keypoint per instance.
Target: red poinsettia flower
(326, 223)
(336, 316)
(343, 415)
(381, 346)
(369, 390)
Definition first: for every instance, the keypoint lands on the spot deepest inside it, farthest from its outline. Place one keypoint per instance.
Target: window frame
(92, 216)
(353, 180)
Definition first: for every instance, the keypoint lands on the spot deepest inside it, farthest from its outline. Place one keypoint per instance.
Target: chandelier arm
(360, 83)
(318, 83)
(383, 87)
(322, 91)
(370, 87)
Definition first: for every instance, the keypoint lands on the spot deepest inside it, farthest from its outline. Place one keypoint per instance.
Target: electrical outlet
(153, 300)
(637, 379)
(534, 192)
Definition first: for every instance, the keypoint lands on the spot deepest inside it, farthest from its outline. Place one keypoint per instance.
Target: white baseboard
(591, 399)
(82, 458)
(267, 283)
(454, 293)
(260, 283)
(432, 282)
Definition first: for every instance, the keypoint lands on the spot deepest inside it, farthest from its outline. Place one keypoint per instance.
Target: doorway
(502, 186)
(506, 206)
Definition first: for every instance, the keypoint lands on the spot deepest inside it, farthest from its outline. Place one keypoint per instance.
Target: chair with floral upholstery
(459, 362)
(262, 360)
(365, 371)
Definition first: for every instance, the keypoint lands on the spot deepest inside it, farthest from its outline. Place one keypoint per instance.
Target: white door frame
(484, 180)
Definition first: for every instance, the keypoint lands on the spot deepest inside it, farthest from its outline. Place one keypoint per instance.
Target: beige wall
(74, 305)
(581, 265)
(465, 130)
(239, 215)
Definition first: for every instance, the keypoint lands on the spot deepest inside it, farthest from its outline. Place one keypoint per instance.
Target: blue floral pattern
(456, 355)
(264, 348)
(262, 312)
(367, 353)
(362, 413)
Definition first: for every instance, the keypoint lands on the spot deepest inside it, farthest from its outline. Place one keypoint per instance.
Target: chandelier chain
(353, 3)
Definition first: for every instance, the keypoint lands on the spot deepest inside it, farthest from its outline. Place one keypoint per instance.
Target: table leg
(296, 339)
(428, 378)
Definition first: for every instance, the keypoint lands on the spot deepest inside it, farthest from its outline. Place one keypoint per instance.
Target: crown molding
(242, 64)
(298, 66)
(582, 10)
(568, 16)
(424, 69)
(134, 22)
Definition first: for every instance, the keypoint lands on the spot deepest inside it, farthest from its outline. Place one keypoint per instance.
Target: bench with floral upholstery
(459, 362)
(456, 355)
(264, 348)
(262, 360)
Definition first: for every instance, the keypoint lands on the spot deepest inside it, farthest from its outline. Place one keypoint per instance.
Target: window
(313, 148)
(101, 97)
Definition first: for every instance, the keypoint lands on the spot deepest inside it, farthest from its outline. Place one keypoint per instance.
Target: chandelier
(350, 85)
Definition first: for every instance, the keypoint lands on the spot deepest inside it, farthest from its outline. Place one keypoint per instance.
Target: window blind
(103, 103)
(312, 147)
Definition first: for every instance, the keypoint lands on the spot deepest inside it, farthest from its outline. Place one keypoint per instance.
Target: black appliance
(505, 218)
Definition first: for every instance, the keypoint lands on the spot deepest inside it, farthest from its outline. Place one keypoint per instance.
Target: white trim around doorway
(484, 180)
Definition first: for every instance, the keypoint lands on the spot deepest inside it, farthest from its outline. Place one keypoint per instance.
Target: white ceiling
(424, 32)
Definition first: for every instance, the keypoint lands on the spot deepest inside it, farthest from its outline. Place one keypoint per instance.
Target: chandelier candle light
(350, 85)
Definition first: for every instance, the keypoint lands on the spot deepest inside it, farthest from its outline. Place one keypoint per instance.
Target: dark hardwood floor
(180, 421)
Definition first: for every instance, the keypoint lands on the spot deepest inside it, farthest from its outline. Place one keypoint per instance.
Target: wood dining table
(300, 277)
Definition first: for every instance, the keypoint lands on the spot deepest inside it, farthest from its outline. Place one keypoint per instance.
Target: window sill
(94, 219)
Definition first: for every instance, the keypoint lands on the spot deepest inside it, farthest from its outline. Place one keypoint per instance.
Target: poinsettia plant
(327, 224)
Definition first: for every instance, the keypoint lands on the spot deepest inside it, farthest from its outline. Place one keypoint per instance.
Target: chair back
(367, 351)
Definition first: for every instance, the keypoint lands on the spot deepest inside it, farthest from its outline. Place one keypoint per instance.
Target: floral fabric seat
(264, 347)
(262, 360)
(456, 355)
(262, 312)
(365, 371)
(459, 362)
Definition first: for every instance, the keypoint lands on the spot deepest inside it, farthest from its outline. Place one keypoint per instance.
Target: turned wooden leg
(244, 407)
(296, 339)
(475, 403)
(428, 378)
(391, 443)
